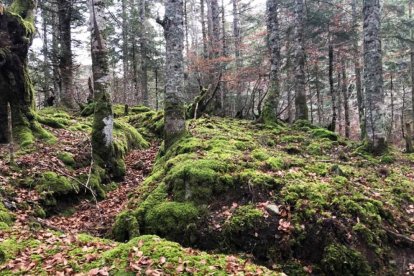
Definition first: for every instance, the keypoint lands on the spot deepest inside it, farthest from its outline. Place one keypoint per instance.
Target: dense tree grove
(306, 61)
(275, 134)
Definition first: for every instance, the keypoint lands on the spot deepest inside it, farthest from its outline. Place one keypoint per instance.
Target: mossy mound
(290, 195)
(144, 255)
(148, 122)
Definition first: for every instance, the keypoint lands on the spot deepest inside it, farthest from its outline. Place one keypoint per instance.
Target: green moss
(88, 110)
(50, 182)
(196, 179)
(126, 227)
(66, 158)
(260, 155)
(387, 159)
(292, 139)
(173, 220)
(342, 260)
(324, 133)
(276, 163)
(257, 179)
(245, 218)
(5, 216)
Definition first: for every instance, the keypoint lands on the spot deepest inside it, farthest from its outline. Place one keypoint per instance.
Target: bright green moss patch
(341, 260)
(244, 218)
(172, 220)
(66, 158)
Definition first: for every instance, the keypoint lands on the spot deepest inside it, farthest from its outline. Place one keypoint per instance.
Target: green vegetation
(306, 170)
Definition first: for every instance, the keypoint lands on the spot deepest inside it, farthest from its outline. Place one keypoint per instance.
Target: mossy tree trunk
(373, 78)
(16, 34)
(173, 24)
(300, 78)
(269, 113)
(104, 153)
(64, 8)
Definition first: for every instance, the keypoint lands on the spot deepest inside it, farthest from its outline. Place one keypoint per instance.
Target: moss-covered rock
(341, 260)
(321, 195)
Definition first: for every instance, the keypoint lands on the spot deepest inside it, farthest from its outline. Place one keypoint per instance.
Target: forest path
(97, 218)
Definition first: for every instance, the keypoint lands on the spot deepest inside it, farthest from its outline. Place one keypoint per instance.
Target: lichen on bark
(104, 151)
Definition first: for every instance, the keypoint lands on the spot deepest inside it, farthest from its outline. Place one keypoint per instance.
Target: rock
(10, 205)
(273, 208)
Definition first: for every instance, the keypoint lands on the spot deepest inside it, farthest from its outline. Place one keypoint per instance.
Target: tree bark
(345, 94)
(125, 54)
(332, 126)
(103, 149)
(357, 68)
(204, 29)
(300, 82)
(269, 114)
(237, 50)
(144, 55)
(373, 78)
(16, 33)
(65, 53)
(174, 93)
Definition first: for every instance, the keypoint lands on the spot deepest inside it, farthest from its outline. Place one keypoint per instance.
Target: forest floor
(298, 199)
(69, 238)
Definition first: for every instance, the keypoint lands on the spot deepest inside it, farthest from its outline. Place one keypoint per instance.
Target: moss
(126, 227)
(66, 158)
(39, 212)
(50, 182)
(196, 179)
(292, 139)
(324, 133)
(5, 216)
(260, 155)
(245, 218)
(276, 163)
(387, 159)
(173, 220)
(257, 179)
(127, 138)
(88, 110)
(342, 260)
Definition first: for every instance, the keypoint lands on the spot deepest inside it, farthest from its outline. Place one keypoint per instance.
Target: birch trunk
(373, 78)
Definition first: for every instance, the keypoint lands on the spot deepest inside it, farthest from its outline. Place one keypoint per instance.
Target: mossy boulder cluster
(297, 196)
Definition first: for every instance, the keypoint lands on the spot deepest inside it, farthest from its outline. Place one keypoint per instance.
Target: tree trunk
(102, 132)
(339, 107)
(345, 94)
(357, 68)
(144, 55)
(237, 51)
(174, 93)
(410, 12)
(373, 78)
(318, 94)
(16, 33)
(46, 64)
(65, 54)
(204, 29)
(269, 114)
(332, 126)
(300, 79)
(125, 54)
